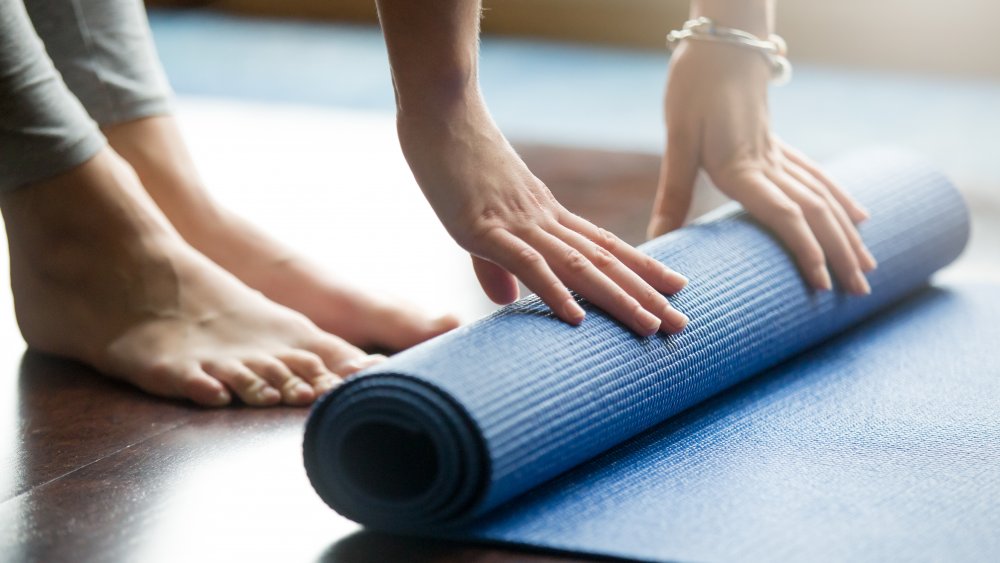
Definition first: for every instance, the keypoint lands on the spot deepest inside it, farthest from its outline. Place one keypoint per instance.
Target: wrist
(430, 122)
(436, 95)
(752, 16)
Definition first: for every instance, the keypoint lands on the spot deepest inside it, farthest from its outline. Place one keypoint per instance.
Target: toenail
(358, 364)
(326, 384)
(269, 394)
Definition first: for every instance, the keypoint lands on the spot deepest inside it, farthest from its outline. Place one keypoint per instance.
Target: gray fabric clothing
(65, 64)
(105, 53)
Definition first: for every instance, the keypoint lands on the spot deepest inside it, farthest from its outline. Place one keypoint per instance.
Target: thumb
(498, 284)
(678, 172)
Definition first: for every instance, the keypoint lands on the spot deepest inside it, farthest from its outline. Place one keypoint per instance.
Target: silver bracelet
(704, 29)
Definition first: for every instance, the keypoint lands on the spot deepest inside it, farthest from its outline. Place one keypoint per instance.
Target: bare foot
(154, 148)
(100, 276)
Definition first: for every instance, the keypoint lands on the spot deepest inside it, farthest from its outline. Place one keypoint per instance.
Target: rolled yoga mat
(522, 429)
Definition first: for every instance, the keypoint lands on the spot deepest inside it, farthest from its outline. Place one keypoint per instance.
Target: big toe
(181, 380)
(398, 328)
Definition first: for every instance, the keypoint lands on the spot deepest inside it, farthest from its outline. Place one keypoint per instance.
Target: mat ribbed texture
(443, 433)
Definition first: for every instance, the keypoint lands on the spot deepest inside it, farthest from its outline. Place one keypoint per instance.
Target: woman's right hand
(513, 227)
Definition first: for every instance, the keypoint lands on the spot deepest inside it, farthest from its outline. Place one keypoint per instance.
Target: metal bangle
(704, 29)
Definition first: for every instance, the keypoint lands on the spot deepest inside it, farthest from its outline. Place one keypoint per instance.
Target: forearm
(754, 16)
(433, 51)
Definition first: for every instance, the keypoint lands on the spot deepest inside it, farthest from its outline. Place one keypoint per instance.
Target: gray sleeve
(105, 52)
(44, 130)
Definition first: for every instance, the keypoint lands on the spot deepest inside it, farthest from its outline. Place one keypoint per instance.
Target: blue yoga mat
(872, 428)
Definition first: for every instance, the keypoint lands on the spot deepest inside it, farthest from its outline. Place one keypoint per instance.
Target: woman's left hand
(717, 119)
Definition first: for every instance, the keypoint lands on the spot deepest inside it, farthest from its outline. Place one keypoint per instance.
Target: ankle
(97, 207)
(155, 149)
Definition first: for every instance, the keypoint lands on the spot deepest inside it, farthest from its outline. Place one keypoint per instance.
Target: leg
(99, 275)
(109, 61)
(154, 147)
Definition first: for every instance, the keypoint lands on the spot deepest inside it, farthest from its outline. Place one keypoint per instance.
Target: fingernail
(675, 319)
(574, 312)
(648, 322)
(302, 389)
(269, 394)
(862, 214)
(678, 279)
(861, 286)
(870, 262)
(821, 279)
(222, 397)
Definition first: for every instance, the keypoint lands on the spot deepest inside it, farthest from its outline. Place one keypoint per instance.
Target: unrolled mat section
(442, 434)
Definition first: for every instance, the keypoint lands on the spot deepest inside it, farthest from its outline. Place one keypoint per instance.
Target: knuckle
(814, 207)
(479, 231)
(489, 215)
(556, 290)
(576, 261)
(607, 239)
(650, 264)
(650, 295)
(528, 256)
(627, 303)
(812, 255)
(602, 258)
(788, 211)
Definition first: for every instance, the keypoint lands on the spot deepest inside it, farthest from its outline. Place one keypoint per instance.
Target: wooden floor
(91, 470)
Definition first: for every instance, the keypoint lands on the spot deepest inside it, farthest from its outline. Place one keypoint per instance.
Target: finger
(678, 172)
(836, 246)
(579, 274)
(865, 258)
(655, 273)
(498, 284)
(855, 210)
(772, 207)
(651, 300)
(528, 264)
(293, 390)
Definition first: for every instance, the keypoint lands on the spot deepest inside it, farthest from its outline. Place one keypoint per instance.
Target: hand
(717, 119)
(513, 227)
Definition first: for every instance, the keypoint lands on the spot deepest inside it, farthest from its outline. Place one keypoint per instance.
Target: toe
(294, 391)
(251, 388)
(310, 368)
(399, 328)
(334, 351)
(180, 379)
(202, 388)
(357, 364)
